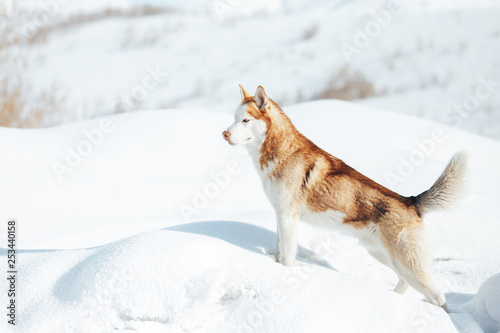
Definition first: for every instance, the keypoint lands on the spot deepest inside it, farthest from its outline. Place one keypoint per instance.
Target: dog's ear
(244, 94)
(260, 98)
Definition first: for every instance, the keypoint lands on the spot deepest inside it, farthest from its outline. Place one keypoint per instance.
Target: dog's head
(251, 119)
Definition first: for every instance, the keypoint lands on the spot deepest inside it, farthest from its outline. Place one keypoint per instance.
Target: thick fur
(304, 182)
(447, 188)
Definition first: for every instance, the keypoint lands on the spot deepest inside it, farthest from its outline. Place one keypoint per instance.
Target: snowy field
(149, 222)
(134, 215)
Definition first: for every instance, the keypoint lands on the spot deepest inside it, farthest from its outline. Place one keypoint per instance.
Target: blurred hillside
(65, 61)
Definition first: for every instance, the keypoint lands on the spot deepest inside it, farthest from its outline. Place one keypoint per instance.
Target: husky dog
(304, 182)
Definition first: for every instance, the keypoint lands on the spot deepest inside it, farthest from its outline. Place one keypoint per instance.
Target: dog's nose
(226, 135)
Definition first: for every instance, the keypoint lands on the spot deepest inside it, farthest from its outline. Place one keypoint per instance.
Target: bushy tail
(447, 188)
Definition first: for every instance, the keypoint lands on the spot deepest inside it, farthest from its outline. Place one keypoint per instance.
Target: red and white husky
(303, 182)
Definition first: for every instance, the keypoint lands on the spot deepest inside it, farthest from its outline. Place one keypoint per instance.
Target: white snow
(163, 227)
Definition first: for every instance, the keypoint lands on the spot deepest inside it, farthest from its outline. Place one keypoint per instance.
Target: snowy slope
(164, 227)
(294, 47)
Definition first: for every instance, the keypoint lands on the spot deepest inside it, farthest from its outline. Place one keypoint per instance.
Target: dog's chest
(275, 189)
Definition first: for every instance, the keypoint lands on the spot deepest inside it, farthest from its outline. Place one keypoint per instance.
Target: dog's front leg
(277, 257)
(287, 238)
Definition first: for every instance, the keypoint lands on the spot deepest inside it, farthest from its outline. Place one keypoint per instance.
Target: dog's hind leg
(412, 260)
(420, 279)
(402, 285)
(413, 264)
(383, 258)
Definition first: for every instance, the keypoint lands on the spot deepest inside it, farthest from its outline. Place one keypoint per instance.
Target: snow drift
(158, 225)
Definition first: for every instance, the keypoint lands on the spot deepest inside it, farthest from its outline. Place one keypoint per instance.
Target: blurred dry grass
(15, 111)
(11, 96)
(348, 85)
(42, 32)
(19, 105)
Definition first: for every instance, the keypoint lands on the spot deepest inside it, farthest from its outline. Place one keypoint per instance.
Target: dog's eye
(246, 120)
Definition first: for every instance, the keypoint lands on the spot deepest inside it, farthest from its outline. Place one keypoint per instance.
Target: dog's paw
(289, 263)
(273, 253)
